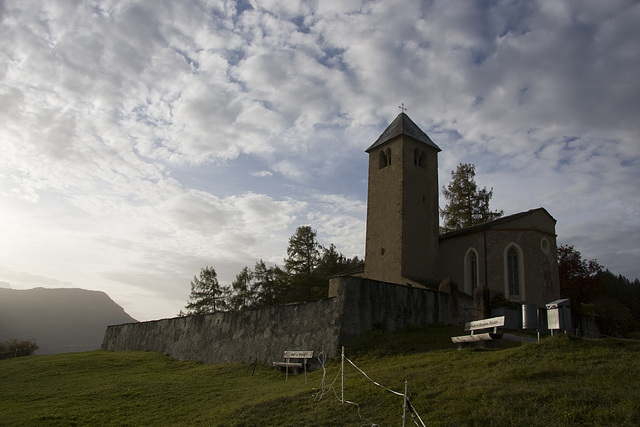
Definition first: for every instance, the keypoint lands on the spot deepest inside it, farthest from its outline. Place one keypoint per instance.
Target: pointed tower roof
(403, 125)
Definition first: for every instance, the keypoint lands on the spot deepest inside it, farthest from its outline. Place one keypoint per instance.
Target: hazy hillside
(60, 320)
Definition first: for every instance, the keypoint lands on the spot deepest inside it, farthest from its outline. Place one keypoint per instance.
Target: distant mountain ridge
(60, 320)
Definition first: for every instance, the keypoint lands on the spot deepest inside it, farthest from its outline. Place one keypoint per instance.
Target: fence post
(404, 403)
(342, 399)
(286, 378)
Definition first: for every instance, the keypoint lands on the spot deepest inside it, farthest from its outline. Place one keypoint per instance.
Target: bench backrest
(493, 322)
(298, 354)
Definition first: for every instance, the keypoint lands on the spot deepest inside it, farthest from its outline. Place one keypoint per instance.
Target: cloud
(133, 134)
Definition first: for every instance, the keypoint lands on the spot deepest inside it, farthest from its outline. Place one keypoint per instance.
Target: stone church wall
(354, 307)
(533, 232)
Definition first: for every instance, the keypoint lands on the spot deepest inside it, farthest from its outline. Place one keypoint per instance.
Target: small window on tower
(419, 158)
(385, 158)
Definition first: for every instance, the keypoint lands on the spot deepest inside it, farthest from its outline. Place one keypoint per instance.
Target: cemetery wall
(354, 306)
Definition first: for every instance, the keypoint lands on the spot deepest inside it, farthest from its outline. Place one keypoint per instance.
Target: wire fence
(407, 407)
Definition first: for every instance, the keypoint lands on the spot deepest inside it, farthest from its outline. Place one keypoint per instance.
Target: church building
(514, 256)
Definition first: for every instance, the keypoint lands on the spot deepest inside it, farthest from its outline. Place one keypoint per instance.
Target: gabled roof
(354, 269)
(493, 223)
(403, 125)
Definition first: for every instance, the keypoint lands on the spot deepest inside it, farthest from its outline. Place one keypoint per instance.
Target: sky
(143, 140)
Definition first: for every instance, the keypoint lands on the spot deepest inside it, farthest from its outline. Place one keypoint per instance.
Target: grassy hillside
(561, 381)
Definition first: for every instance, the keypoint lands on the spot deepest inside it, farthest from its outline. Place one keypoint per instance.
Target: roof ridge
(490, 224)
(403, 125)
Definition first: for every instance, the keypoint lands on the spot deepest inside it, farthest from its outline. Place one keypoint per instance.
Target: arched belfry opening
(402, 205)
(385, 158)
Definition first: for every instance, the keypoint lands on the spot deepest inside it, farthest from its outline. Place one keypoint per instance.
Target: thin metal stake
(286, 376)
(404, 404)
(342, 400)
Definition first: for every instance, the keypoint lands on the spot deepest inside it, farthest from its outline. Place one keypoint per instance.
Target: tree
(15, 348)
(308, 267)
(618, 312)
(467, 205)
(270, 284)
(332, 262)
(303, 253)
(243, 291)
(207, 295)
(580, 280)
(303, 257)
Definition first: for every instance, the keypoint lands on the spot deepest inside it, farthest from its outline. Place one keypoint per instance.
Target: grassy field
(562, 381)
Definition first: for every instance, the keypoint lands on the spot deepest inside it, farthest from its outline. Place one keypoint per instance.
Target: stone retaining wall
(354, 306)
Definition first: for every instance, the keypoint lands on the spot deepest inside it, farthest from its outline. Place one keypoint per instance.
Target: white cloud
(132, 134)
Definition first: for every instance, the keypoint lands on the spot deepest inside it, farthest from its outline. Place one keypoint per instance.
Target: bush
(14, 348)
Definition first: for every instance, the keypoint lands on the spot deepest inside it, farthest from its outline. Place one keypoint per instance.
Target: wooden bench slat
(489, 336)
(288, 365)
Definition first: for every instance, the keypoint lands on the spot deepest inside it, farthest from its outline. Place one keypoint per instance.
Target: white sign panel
(298, 354)
(493, 322)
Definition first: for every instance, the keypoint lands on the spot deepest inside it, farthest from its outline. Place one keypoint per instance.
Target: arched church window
(513, 272)
(470, 271)
(473, 265)
(514, 286)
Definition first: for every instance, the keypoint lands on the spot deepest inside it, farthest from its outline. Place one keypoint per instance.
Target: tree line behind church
(304, 277)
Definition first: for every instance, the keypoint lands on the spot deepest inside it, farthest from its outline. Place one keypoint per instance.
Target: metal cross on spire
(402, 108)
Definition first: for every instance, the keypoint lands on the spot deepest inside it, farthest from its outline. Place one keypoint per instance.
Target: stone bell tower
(402, 205)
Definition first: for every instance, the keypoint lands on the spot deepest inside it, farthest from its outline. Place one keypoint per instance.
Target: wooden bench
(295, 360)
(479, 325)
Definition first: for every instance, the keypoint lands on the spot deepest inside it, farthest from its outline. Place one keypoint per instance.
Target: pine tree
(303, 253)
(467, 205)
(270, 284)
(243, 291)
(207, 295)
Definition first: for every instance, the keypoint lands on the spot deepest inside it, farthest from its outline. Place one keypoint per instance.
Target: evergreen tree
(303, 257)
(625, 292)
(332, 262)
(303, 253)
(308, 267)
(207, 295)
(467, 205)
(270, 284)
(243, 291)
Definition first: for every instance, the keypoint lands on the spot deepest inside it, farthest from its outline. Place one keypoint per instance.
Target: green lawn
(561, 381)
